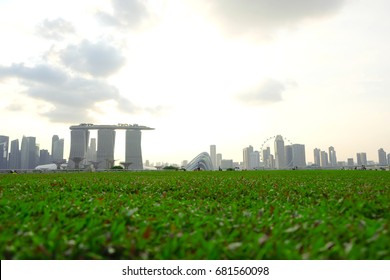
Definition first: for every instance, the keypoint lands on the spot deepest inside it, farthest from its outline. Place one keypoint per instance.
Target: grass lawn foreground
(313, 214)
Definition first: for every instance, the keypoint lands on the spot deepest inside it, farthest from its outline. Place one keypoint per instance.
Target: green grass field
(196, 215)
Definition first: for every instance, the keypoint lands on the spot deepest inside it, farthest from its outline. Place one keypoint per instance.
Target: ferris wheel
(266, 143)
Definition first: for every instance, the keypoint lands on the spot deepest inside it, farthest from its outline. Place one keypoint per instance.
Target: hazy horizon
(225, 72)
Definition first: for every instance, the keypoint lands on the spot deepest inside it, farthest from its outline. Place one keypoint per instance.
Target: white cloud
(261, 18)
(97, 59)
(56, 29)
(268, 91)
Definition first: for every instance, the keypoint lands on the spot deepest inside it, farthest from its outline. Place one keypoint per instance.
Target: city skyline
(84, 152)
(226, 73)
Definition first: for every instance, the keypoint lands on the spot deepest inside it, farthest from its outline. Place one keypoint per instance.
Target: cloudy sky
(227, 72)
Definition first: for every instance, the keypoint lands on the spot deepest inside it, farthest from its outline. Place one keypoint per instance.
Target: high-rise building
(44, 157)
(4, 140)
(317, 157)
(350, 162)
(361, 158)
(219, 160)
(29, 154)
(388, 159)
(324, 159)
(266, 157)
(246, 153)
(133, 149)
(280, 161)
(57, 149)
(14, 155)
(213, 155)
(79, 139)
(255, 160)
(332, 157)
(298, 155)
(382, 157)
(91, 151)
(105, 148)
(288, 154)
(54, 139)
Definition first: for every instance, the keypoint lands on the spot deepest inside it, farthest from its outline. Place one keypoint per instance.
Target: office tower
(14, 155)
(4, 140)
(54, 139)
(246, 153)
(57, 149)
(255, 160)
(298, 155)
(219, 160)
(78, 148)
(266, 155)
(288, 154)
(350, 162)
(332, 157)
(324, 159)
(44, 157)
(317, 157)
(280, 161)
(361, 159)
(213, 155)
(133, 149)
(388, 159)
(28, 153)
(382, 157)
(105, 148)
(91, 151)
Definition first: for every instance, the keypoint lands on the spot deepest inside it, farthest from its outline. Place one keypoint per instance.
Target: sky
(230, 73)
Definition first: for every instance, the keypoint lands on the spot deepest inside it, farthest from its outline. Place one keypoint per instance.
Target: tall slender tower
(133, 149)
(317, 157)
(78, 147)
(213, 155)
(29, 153)
(14, 155)
(105, 148)
(332, 157)
(382, 157)
(246, 155)
(280, 161)
(4, 140)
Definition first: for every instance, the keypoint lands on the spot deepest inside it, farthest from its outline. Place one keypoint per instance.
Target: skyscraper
(288, 151)
(317, 157)
(280, 161)
(298, 155)
(44, 157)
(91, 151)
(350, 162)
(246, 154)
(105, 148)
(4, 140)
(219, 160)
(361, 158)
(78, 147)
(332, 157)
(382, 157)
(266, 158)
(28, 153)
(324, 159)
(14, 155)
(133, 149)
(255, 160)
(57, 149)
(213, 155)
